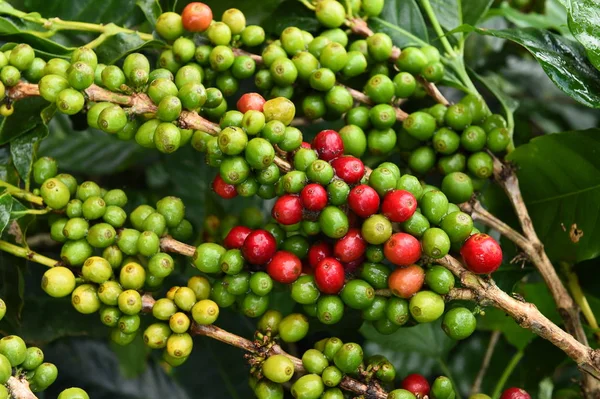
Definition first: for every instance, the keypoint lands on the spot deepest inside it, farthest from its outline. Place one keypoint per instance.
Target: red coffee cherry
(284, 267)
(317, 252)
(250, 101)
(306, 145)
(350, 247)
(236, 237)
(314, 197)
(406, 281)
(329, 276)
(398, 205)
(348, 168)
(223, 189)
(402, 249)
(515, 393)
(328, 144)
(482, 254)
(196, 17)
(417, 384)
(288, 209)
(363, 200)
(259, 247)
(351, 267)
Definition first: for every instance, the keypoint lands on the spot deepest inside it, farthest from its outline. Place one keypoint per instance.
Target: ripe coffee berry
(259, 247)
(328, 144)
(515, 393)
(481, 253)
(284, 267)
(329, 276)
(350, 247)
(417, 384)
(406, 281)
(250, 101)
(398, 205)
(363, 200)
(223, 189)
(288, 209)
(236, 237)
(196, 17)
(348, 168)
(402, 249)
(317, 252)
(314, 197)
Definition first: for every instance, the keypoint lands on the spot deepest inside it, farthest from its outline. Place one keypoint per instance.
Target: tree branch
(169, 244)
(19, 388)
(527, 316)
(486, 362)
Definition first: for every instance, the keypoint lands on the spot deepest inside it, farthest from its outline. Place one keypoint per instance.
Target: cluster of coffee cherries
(21, 361)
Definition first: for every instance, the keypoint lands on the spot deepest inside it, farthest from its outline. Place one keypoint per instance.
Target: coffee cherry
(55, 193)
(293, 327)
(85, 299)
(426, 306)
(73, 393)
(314, 197)
(405, 282)
(169, 25)
(420, 125)
(363, 200)
(398, 205)
(236, 237)
(330, 14)
(435, 243)
(205, 312)
(304, 290)
(350, 247)
(278, 368)
(348, 168)
(480, 396)
(380, 89)
(333, 222)
(9, 75)
(515, 393)
(44, 376)
(196, 17)
(481, 253)
(109, 292)
(442, 388)
(33, 359)
(459, 323)
(372, 8)
(401, 394)
(2, 309)
(317, 252)
(284, 267)
(417, 384)
(207, 256)
(402, 249)
(376, 229)
(397, 311)
(13, 349)
(348, 357)
(96, 270)
(434, 206)
(222, 189)
(287, 210)
(259, 247)
(329, 276)
(439, 279)
(328, 144)
(358, 294)
(458, 116)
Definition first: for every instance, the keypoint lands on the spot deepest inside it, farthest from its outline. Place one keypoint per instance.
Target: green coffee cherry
(73, 393)
(74, 253)
(44, 169)
(278, 368)
(426, 306)
(5, 371)
(314, 361)
(309, 386)
(293, 327)
(55, 193)
(348, 357)
(459, 323)
(85, 299)
(130, 302)
(14, 349)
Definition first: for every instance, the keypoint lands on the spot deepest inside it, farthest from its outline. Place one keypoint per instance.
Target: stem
(308, 5)
(169, 244)
(486, 362)
(438, 28)
(527, 316)
(579, 296)
(506, 373)
(54, 25)
(27, 254)
(19, 388)
(22, 194)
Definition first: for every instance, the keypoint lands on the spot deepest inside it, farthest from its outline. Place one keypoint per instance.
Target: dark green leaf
(117, 46)
(403, 21)
(291, 13)
(448, 12)
(90, 151)
(12, 288)
(23, 149)
(560, 180)
(554, 18)
(151, 9)
(563, 60)
(584, 22)
(6, 203)
(102, 378)
(29, 114)
(474, 10)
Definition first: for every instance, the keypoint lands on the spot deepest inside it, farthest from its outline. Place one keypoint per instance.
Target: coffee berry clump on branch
(350, 234)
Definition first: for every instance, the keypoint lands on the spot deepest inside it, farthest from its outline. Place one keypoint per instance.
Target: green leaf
(90, 151)
(554, 17)
(6, 203)
(474, 10)
(584, 19)
(403, 21)
(509, 104)
(102, 378)
(30, 113)
(448, 12)
(563, 60)
(560, 181)
(23, 148)
(151, 9)
(291, 13)
(117, 46)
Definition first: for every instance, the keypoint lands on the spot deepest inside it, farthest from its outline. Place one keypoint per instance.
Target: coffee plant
(299, 198)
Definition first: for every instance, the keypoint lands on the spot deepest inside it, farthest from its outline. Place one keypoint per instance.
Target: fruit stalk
(527, 316)
(27, 254)
(19, 388)
(486, 362)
